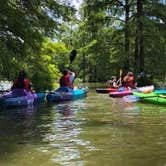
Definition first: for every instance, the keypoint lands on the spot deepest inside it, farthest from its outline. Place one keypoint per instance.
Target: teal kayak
(152, 98)
(66, 94)
(160, 91)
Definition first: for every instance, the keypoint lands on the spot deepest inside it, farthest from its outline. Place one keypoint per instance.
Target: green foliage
(23, 27)
(45, 68)
(103, 32)
(39, 35)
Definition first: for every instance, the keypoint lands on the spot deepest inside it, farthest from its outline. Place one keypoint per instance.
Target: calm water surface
(93, 131)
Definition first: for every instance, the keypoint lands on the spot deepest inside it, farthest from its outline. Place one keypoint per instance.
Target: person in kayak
(21, 82)
(144, 80)
(129, 81)
(72, 78)
(113, 82)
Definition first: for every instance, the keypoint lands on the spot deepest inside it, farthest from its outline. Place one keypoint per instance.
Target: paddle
(120, 79)
(119, 82)
(73, 55)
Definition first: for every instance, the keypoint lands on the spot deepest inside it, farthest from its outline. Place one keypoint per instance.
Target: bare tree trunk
(139, 45)
(84, 67)
(141, 40)
(127, 43)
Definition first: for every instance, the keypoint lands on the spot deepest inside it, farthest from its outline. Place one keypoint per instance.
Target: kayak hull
(160, 91)
(120, 93)
(20, 97)
(105, 90)
(66, 94)
(146, 89)
(152, 98)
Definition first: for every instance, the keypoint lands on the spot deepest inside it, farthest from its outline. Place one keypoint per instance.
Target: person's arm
(14, 85)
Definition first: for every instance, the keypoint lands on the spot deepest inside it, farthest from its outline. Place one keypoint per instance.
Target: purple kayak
(20, 97)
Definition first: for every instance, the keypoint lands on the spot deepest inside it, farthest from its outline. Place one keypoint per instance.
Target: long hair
(21, 77)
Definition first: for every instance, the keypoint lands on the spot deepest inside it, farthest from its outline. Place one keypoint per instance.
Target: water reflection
(65, 110)
(65, 139)
(15, 129)
(20, 114)
(94, 131)
(19, 120)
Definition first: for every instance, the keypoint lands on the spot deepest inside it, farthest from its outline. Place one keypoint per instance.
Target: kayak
(105, 90)
(160, 91)
(120, 93)
(66, 94)
(20, 97)
(146, 89)
(152, 97)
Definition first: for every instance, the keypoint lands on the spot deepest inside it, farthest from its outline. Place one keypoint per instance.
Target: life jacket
(65, 80)
(24, 84)
(129, 81)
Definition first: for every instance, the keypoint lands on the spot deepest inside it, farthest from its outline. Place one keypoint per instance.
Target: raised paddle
(120, 78)
(73, 55)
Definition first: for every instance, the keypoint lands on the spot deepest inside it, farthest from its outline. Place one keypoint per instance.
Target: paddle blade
(121, 71)
(73, 54)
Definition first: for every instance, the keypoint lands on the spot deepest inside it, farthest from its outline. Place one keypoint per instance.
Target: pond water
(93, 131)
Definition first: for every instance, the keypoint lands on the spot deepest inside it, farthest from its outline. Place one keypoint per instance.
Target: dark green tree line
(108, 35)
(125, 34)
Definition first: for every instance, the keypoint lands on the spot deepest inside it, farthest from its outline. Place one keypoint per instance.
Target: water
(93, 131)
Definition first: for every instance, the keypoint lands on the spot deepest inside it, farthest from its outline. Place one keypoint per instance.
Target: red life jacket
(129, 81)
(65, 80)
(21, 85)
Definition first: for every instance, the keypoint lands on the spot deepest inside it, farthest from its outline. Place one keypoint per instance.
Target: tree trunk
(127, 43)
(139, 46)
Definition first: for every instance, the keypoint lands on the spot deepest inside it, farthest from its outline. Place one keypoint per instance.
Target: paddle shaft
(121, 76)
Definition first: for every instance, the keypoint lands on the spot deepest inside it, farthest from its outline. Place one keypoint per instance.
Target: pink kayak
(120, 93)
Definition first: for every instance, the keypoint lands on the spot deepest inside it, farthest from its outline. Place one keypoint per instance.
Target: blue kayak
(66, 94)
(20, 97)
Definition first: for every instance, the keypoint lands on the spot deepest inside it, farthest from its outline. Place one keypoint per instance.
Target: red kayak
(120, 93)
(105, 90)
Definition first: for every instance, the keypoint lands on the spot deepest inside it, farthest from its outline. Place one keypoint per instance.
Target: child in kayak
(72, 78)
(113, 82)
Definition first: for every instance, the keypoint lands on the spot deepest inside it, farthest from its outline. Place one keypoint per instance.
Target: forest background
(109, 35)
